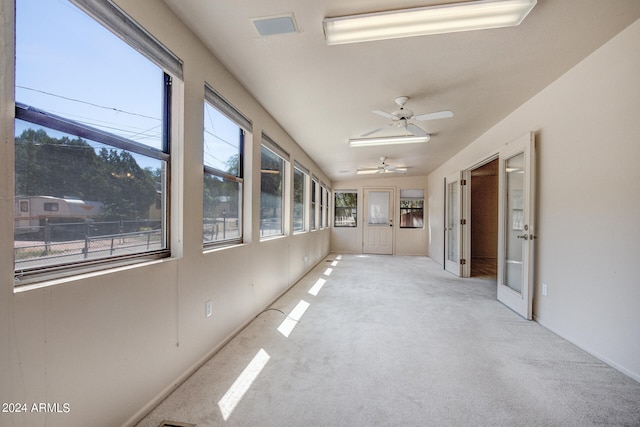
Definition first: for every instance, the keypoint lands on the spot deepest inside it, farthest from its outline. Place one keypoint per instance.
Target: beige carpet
(396, 341)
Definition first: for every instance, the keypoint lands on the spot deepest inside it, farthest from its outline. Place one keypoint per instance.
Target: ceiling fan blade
(376, 130)
(433, 116)
(372, 132)
(416, 130)
(384, 114)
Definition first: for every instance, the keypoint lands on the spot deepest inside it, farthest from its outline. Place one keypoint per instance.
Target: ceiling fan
(403, 117)
(383, 167)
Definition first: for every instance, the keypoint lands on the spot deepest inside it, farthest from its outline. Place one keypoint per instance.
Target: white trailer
(32, 212)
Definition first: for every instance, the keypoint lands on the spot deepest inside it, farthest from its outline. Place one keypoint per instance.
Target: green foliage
(299, 182)
(271, 185)
(222, 197)
(233, 165)
(65, 167)
(346, 200)
(411, 203)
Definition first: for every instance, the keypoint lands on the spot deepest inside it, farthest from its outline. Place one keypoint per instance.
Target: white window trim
(122, 25)
(107, 14)
(305, 198)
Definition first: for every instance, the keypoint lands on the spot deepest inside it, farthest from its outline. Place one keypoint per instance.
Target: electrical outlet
(544, 289)
(208, 308)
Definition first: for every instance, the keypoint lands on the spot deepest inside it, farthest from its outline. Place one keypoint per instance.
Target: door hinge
(463, 182)
(463, 222)
(463, 261)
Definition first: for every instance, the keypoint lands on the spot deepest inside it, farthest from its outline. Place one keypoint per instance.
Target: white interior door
(453, 229)
(378, 222)
(516, 225)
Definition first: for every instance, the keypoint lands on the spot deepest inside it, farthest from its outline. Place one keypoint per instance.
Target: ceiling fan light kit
(448, 18)
(388, 140)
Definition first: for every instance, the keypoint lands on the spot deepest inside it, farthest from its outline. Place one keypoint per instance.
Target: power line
(117, 110)
(221, 139)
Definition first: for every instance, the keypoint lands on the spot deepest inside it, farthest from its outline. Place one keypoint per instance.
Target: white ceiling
(323, 95)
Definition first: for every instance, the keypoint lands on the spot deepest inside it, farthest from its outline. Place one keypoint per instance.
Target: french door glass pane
(453, 220)
(514, 225)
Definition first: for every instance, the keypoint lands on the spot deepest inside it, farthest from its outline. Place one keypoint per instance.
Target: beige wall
(112, 344)
(407, 241)
(587, 130)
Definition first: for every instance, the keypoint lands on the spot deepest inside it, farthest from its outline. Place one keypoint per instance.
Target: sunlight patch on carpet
(292, 319)
(237, 390)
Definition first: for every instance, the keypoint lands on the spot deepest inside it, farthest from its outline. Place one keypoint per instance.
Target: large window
(314, 207)
(224, 133)
(411, 208)
(272, 171)
(325, 206)
(345, 208)
(300, 178)
(92, 137)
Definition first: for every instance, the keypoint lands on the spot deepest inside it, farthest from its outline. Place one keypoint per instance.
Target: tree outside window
(345, 209)
(271, 191)
(299, 193)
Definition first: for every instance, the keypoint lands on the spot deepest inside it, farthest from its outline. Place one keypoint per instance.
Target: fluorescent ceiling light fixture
(388, 140)
(448, 18)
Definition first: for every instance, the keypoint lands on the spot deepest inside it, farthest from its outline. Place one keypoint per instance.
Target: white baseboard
(633, 375)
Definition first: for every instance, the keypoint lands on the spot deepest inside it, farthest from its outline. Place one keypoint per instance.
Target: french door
(378, 222)
(453, 222)
(516, 225)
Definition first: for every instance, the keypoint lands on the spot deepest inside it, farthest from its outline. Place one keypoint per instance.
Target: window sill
(270, 238)
(218, 248)
(44, 282)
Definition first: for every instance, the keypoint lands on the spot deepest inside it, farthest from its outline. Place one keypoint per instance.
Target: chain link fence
(56, 243)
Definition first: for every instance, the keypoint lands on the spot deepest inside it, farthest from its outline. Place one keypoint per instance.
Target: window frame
(305, 179)
(271, 146)
(125, 28)
(336, 207)
(314, 203)
(325, 206)
(411, 209)
(224, 107)
(323, 201)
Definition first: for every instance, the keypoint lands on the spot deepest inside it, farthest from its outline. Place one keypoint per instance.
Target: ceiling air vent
(274, 25)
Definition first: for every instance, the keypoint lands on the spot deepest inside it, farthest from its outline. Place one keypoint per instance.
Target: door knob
(524, 236)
